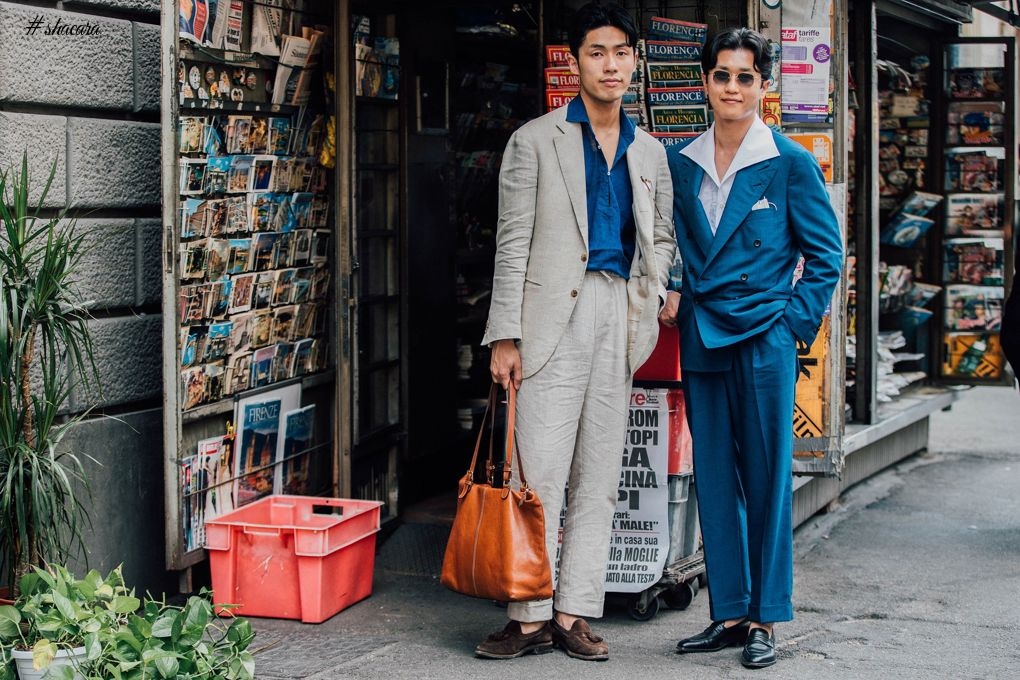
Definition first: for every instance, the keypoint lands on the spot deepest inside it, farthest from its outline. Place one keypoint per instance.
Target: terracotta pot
(65, 657)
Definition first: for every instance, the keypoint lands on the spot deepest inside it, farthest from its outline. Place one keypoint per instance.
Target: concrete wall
(90, 103)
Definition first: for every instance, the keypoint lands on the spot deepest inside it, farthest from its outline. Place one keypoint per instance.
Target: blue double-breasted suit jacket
(739, 281)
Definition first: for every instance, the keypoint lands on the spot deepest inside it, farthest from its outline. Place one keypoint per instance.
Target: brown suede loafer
(511, 643)
(579, 642)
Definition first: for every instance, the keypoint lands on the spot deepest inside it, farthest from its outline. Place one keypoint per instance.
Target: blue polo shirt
(610, 197)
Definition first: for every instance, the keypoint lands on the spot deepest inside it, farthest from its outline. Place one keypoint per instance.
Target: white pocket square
(763, 204)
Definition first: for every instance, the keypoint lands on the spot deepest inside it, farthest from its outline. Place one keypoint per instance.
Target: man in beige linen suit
(583, 249)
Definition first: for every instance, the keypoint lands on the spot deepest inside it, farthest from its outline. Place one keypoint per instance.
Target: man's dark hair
(596, 15)
(739, 39)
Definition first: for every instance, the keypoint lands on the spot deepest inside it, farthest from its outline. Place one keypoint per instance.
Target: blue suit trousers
(741, 423)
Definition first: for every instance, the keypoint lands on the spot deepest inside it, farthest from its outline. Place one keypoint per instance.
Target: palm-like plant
(45, 349)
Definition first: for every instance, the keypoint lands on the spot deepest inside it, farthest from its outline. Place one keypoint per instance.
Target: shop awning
(943, 10)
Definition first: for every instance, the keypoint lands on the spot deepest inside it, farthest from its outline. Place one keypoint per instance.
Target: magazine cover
(920, 294)
(691, 118)
(973, 308)
(259, 419)
(666, 74)
(192, 522)
(976, 83)
(975, 170)
(975, 123)
(920, 203)
(903, 230)
(972, 355)
(975, 214)
(298, 441)
(214, 460)
(977, 261)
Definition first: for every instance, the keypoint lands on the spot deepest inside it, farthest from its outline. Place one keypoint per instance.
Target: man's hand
(506, 363)
(667, 315)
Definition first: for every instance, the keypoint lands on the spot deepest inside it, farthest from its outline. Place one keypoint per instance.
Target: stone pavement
(916, 574)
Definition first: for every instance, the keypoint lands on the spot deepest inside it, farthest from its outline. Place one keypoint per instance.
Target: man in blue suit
(748, 205)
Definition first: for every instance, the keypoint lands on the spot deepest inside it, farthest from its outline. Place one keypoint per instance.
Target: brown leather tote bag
(497, 544)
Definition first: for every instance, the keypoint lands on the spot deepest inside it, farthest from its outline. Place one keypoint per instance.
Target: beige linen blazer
(542, 239)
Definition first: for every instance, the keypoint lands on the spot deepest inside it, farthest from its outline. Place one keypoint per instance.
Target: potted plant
(59, 621)
(95, 628)
(45, 349)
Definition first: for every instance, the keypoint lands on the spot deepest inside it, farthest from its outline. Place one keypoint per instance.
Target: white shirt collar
(758, 145)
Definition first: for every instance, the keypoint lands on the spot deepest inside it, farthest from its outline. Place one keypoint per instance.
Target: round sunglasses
(743, 79)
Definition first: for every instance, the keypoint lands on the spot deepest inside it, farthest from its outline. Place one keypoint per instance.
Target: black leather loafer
(714, 638)
(759, 650)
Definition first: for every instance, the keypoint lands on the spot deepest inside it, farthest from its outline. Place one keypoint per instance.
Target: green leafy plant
(123, 638)
(45, 350)
(58, 611)
(166, 641)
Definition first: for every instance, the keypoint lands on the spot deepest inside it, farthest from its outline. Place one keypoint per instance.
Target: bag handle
(490, 415)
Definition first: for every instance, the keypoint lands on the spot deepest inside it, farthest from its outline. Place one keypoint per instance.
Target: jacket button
(743, 277)
(757, 243)
(573, 293)
(584, 258)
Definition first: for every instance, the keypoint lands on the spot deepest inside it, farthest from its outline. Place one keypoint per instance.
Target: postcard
(241, 295)
(262, 366)
(265, 283)
(284, 289)
(239, 256)
(283, 323)
(218, 298)
(239, 372)
(261, 328)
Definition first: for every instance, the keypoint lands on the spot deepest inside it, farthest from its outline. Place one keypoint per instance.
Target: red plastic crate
(664, 362)
(278, 558)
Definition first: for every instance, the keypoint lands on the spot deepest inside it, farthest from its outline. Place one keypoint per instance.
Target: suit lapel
(747, 189)
(687, 193)
(570, 152)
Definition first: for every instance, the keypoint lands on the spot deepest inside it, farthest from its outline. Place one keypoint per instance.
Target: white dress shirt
(758, 145)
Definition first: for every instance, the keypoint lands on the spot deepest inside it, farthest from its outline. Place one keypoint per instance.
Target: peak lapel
(688, 186)
(570, 152)
(748, 186)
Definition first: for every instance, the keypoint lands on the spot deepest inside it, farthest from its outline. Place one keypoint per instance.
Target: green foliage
(124, 638)
(45, 350)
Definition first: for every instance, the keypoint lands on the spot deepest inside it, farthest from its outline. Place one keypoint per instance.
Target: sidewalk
(916, 575)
